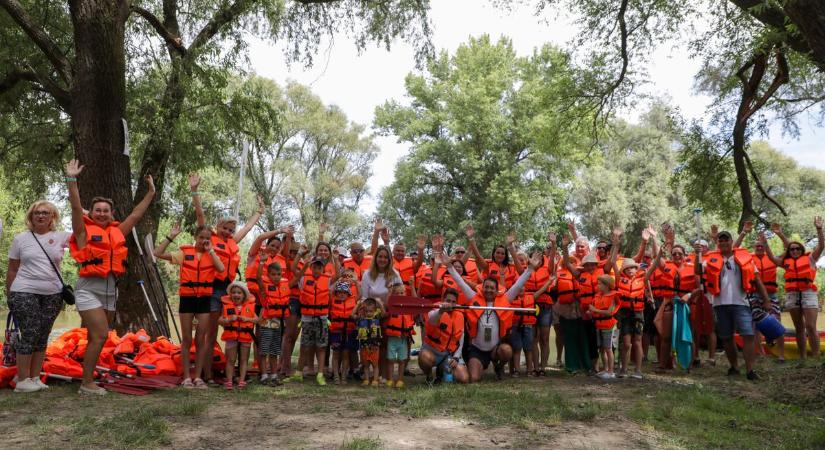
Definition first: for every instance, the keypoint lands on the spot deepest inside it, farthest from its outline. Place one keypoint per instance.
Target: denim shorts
(218, 291)
(545, 317)
(522, 338)
(730, 318)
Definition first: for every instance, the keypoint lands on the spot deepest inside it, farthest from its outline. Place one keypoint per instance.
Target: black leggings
(35, 315)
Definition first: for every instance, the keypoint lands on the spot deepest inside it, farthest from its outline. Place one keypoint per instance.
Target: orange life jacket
(315, 296)
(275, 304)
(196, 274)
(425, 286)
(294, 291)
(713, 272)
(535, 282)
(230, 255)
(767, 272)
(238, 330)
(340, 314)
(449, 282)
(404, 269)
(494, 270)
(603, 302)
(799, 275)
(670, 280)
(505, 318)
(105, 251)
(399, 325)
(472, 270)
(587, 285)
(566, 289)
(524, 318)
(445, 336)
(632, 292)
(251, 272)
(359, 269)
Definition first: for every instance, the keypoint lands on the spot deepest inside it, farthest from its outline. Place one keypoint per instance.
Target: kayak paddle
(402, 304)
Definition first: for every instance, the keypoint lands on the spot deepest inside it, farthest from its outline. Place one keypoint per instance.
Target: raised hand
(421, 241)
(150, 183)
(194, 181)
(646, 234)
(571, 227)
(73, 168)
(551, 237)
(303, 250)
(511, 238)
(714, 231)
(379, 224)
(776, 228)
(335, 252)
(470, 232)
(565, 240)
(616, 236)
(443, 259)
(651, 230)
(818, 222)
(747, 227)
(175, 231)
(385, 235)
(261, 206)
(322, 228)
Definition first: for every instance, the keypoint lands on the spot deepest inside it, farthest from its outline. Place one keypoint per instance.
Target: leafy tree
(494, 140)
(74, 66)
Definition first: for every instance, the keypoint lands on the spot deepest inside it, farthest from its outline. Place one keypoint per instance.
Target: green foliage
(495, 138)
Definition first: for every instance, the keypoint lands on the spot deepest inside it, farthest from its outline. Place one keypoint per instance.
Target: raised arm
(438, 249)
(658, 257)
(714, 233)
(777, 230)
(820, 241)
(286, 242)
(336, 263)
(571, 227)
(465, 288)
(240, 234)
(511, 247)
(747, 227)
(259, 274)
(73, 169)
(194, 184)
(160, 250)
(551, 259)
(379, 225)
(133, 218)
(565, 256)
(516, 288)
(301, 254)
(260, 239)
(616, 239)
(471, 245)
(647, 233)
(764, 241)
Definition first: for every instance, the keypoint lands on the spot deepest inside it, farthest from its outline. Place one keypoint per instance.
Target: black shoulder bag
(67, 293)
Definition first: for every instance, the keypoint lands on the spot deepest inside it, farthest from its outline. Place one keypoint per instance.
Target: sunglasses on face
(795, 249)
(603, 249)
(460, 251)
(42, 213)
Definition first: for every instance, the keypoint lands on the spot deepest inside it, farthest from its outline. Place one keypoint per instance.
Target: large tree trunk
(98, 104)
(809, 16)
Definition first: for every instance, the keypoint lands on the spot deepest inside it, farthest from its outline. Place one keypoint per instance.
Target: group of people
(485, 311)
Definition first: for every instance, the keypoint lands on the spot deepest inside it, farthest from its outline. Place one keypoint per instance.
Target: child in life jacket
(399, 330)
(604, 308)
(274, 296)
(367, 316)
(238, 319)
(342, 336)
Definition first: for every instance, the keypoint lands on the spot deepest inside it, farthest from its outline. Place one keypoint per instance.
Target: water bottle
(448, 372)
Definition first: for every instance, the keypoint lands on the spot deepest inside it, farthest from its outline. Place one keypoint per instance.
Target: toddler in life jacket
(238, 319)
(367, 316)
(399, 331)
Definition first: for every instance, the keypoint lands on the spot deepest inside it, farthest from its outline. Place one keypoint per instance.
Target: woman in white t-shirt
(378, 281)
(33, 289)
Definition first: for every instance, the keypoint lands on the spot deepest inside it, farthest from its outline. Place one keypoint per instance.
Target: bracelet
(195, 194)
(169, 239)
(70, 179)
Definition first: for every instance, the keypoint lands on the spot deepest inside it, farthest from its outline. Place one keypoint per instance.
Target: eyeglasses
(798, 249)
(604, 249)
(461, 251)
(41, 213)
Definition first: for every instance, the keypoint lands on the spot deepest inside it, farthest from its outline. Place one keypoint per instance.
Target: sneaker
(611, 376)
(27, 385)
(366, 382)
(390, 383)
(622, 374)
(91, 391)
(637, 376)
(399, 384)
(752, 376)
(319, 378)
(733, 371)
(297, 376)
(40, 383)
(264, 377)
(604, 375)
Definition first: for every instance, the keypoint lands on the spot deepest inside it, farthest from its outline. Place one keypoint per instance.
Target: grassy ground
(704, 409)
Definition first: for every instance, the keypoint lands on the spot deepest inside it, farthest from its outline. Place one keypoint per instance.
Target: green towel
(682, 337)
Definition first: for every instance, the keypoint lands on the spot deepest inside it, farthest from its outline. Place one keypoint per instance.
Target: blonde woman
(33, 289)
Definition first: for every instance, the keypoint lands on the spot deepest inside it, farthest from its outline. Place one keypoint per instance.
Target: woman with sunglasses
(499, 262)
(801, 298)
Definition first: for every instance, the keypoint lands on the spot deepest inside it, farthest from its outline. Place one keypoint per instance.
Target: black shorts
(194, 305)
(483, 357)
(295, 307)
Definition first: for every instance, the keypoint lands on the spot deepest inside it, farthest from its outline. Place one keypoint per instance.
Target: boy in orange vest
(238, 320)
(399, 331)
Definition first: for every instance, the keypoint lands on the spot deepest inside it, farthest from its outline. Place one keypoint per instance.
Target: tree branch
(774, 17)
(60, 95)
(759, 185)
(781, 77)
(222, 17)
(39, 37)
(171, 39)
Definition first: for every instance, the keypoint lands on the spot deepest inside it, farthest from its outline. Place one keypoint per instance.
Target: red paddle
(402, 304)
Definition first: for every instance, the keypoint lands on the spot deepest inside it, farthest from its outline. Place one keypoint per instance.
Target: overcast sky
(359, 83)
